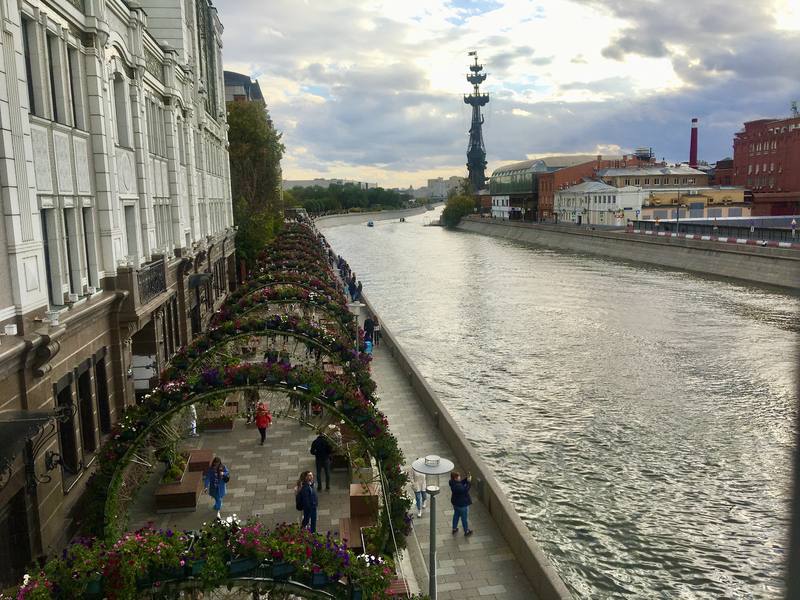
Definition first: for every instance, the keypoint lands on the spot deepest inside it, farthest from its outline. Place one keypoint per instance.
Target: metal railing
(152, 281)
(752, 232)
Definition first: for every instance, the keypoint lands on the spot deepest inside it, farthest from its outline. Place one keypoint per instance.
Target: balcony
(152, 280)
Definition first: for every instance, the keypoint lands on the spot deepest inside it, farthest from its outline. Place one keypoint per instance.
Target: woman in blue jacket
(215, 480)
(460, 500)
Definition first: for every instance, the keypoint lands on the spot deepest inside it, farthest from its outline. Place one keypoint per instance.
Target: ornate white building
(117, 239)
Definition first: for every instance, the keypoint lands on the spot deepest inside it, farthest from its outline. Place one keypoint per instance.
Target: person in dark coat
(369, 329)
(308, 499)
(460, 500)
(321, 449)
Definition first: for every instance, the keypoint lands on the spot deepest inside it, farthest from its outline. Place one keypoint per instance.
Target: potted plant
(176, 469)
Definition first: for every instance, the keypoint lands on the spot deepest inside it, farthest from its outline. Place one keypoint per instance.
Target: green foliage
(348, 196)
(255, 157)
(256, 228)
(457, 206)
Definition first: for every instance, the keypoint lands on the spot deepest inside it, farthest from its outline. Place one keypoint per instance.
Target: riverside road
(640, 419)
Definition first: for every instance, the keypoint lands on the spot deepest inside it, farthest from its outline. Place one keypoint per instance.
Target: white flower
(25, 579)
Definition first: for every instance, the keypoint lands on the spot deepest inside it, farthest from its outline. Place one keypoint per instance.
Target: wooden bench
(200, 459)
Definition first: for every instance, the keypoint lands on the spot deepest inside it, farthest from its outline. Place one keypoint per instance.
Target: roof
(590, 187)
(251, 88)
(645, 171)
(546, 164)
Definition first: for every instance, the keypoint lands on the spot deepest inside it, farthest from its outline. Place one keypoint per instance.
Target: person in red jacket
(263, 420)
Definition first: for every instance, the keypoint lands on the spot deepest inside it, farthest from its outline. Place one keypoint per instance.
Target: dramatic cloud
(372, 90)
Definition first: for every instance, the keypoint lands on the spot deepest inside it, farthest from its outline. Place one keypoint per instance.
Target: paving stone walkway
(262, 480)
(479, 566)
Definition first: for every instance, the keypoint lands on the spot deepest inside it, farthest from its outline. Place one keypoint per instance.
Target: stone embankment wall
(542, 575)
(772, 266)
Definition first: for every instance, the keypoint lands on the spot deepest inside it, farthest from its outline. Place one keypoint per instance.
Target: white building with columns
(597, 203)
(117, 239)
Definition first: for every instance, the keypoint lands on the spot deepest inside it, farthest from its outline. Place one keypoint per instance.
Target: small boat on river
(370, 224)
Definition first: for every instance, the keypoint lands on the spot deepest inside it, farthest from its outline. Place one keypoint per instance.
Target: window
(647, 182)
(72, 253)
(636, 182)
(101, 384)
(53, 290)
(88, 238)
(55, 69)
(131, 232)
(75, 95)
(121, 112)
(750, 169)
(28, 47)
(690, 180)
(66, 429)
(771, 167)
(86, 411)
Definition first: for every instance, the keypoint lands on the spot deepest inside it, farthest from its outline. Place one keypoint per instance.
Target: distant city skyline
(373, 91)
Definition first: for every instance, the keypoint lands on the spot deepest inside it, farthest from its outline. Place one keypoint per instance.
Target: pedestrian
(359, 289)
(321, 449)
(263, 420)
(417, 480)
(460, 500)
(308, 500)
(376, 332)
(192, 421)
(216, 479)
(369, 329)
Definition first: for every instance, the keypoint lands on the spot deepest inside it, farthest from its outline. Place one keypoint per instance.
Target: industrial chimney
(693, 145)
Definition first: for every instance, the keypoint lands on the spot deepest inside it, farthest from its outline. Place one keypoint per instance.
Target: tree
(255, 156)
(458, 206)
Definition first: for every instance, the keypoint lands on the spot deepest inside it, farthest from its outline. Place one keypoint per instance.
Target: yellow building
(695, 203)
(655, 176)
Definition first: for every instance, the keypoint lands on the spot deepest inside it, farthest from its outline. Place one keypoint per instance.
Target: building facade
(656, 176)
(597, 203)
(766, 160)
(695, 203)
(117, 240)
(531, 185)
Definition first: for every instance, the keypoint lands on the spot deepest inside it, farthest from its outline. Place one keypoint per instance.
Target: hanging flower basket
(281, 570)
(242, 566)
(95, 588)
(319, 580)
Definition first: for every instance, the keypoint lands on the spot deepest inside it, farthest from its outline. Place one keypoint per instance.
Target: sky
(372, 90)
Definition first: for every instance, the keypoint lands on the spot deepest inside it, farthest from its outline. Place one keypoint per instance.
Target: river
(640, 419)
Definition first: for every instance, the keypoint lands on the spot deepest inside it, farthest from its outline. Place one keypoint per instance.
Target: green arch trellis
(113, 523)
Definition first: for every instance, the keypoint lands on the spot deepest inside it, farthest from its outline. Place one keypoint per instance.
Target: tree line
(347, 196)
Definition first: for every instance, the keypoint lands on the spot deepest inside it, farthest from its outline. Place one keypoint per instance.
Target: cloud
(376, 86)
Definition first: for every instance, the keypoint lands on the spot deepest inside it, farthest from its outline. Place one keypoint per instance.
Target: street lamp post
(432, 467)
(678, 218)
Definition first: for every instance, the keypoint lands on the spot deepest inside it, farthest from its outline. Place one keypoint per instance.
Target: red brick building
(766, 160)
(549, 183)
(723, 173)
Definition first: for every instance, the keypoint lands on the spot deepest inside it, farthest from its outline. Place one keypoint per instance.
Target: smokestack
(693, 145)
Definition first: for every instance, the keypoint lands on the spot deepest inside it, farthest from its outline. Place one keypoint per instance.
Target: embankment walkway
(484, 565)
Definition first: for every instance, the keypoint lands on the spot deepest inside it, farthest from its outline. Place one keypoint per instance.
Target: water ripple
(639, 419)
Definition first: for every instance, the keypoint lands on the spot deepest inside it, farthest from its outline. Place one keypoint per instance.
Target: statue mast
(476, 152)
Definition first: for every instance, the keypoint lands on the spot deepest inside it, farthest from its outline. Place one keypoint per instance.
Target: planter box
(281, 570)
(319, 580)
(363, 500)
(180, 497)
(242, 567)
(197, 567)
(200, 460)
(211, 428)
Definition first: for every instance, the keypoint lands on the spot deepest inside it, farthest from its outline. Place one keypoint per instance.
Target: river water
(640, 419)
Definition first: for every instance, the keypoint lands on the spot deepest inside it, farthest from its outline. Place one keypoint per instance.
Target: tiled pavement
(480, 566)
(262, 480)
